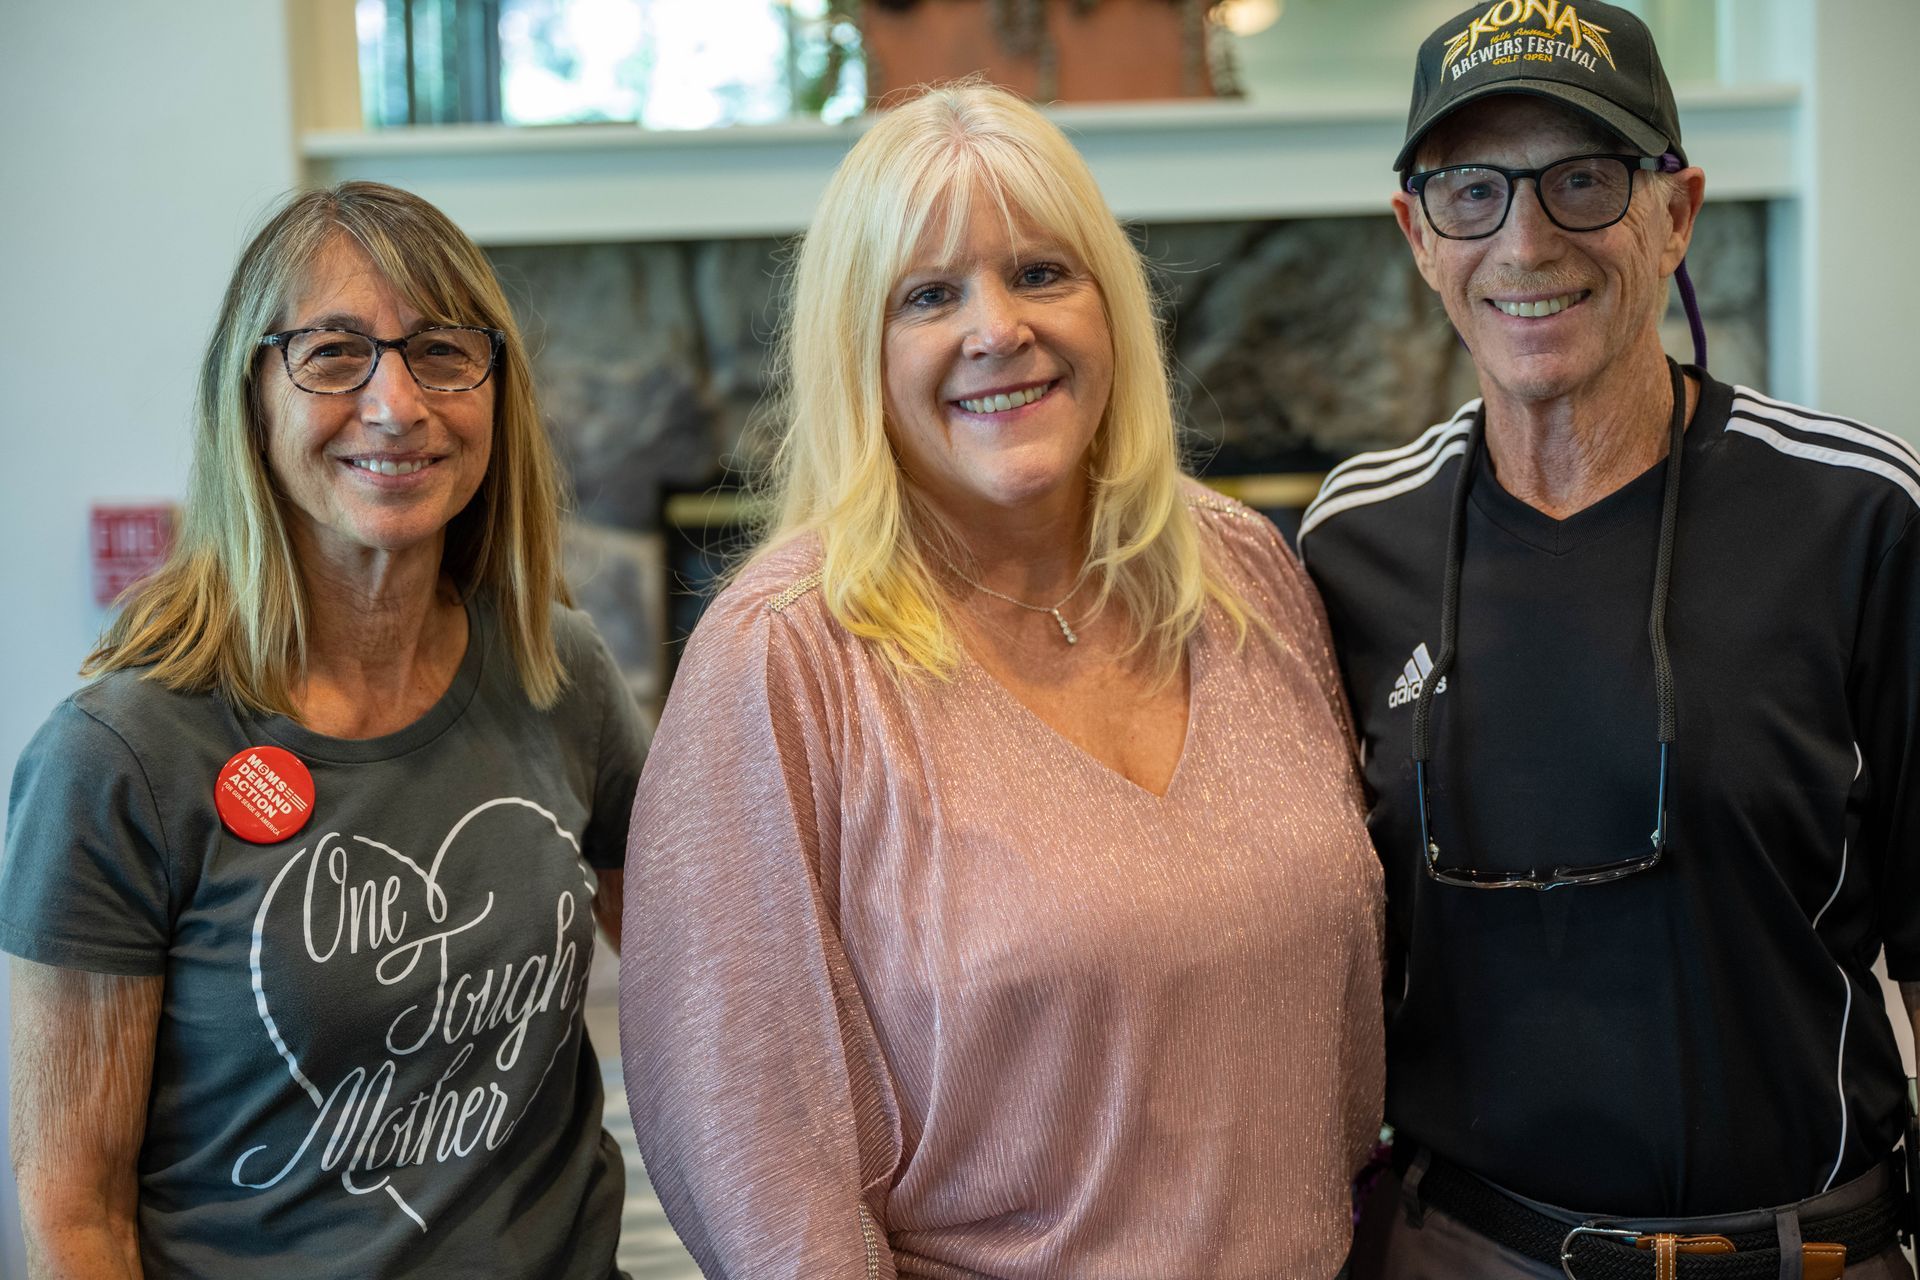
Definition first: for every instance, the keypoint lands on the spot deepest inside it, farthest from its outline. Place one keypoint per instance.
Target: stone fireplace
(1296, 343)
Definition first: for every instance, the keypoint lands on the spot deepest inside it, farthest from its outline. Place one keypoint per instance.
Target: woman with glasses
(1008, 909)
(302, 886)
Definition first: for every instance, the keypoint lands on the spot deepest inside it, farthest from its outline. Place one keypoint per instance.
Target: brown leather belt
(1602, 1249)
(1819, 1260)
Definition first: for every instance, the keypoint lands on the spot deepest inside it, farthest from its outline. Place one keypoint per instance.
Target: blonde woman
(1000, 902)
(302, 885)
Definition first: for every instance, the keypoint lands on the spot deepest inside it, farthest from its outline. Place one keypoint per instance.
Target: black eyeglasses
(1547, 877)
(1580, 193)
(332, 362)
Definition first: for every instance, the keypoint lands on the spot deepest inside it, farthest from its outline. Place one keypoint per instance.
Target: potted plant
(1048, 50)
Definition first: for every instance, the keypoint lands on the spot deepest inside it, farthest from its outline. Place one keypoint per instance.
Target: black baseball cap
(1594, 57)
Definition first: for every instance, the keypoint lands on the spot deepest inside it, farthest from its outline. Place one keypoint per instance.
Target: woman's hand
(607, 902)
(82, 1062)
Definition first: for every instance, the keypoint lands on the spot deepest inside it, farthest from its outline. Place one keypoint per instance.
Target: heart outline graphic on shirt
(359, 1099)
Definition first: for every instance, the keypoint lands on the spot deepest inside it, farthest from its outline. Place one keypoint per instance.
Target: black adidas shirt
(1707, 1036)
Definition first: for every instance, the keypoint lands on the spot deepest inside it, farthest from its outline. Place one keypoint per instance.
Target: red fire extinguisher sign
(128, 543)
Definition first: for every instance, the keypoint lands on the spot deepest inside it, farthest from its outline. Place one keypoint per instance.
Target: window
(664, 64)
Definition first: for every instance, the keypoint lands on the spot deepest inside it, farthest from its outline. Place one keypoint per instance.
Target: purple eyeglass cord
(1670, 163)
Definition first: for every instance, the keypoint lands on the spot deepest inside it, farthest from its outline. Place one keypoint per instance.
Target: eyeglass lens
(331, 360)
(1580, 194)
(1550, 877)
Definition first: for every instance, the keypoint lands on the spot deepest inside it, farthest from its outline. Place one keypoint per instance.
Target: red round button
(264, 794)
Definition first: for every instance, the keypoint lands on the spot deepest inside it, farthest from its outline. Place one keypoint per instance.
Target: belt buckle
(1591, 1229)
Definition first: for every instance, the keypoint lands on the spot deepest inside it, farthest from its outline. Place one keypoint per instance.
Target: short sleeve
(760, 1098)
(621, 751)
(85, 882)
(1884, 688)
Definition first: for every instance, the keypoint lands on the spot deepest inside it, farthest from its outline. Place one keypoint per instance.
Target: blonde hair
(228, 610)
(833, 474)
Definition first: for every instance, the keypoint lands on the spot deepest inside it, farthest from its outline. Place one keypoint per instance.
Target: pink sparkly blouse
(912, 986)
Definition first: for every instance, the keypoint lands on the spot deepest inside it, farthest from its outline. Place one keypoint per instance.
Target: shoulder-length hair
(228, 610)
(833, 473)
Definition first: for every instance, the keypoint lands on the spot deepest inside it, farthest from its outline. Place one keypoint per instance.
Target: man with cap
(1633, 658)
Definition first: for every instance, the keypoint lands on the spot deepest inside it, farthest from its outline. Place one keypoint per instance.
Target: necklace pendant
(1065, 630)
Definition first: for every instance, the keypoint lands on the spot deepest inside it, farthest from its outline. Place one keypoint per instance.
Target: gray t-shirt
(370, 1055)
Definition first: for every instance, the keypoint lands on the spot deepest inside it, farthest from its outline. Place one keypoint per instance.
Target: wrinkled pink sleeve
(759, 1094)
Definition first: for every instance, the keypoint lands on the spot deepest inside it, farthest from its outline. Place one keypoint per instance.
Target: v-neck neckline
(1196, 670)
(1635, 504)
(1625, 507)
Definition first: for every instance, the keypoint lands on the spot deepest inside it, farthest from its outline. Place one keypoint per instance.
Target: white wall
(1862, 269)
(138, 142)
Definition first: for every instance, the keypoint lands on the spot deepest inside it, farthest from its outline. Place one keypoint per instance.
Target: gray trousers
(1441, 1248)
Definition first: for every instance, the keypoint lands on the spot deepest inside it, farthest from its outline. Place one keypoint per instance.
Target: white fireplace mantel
(1173, 161)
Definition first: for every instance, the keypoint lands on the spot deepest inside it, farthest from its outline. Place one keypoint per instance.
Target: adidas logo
(1412, 676)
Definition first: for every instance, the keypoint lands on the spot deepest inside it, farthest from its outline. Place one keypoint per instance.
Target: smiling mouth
(388, 467)
(1544, 307)
(1007, 401)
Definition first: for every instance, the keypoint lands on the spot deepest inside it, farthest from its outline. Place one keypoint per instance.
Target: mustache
(1503, 283)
